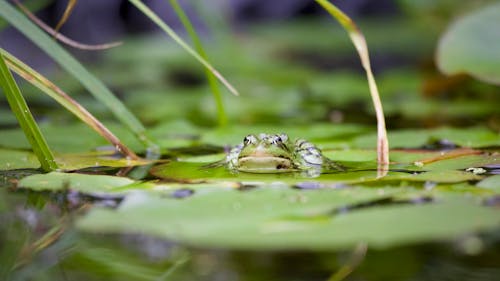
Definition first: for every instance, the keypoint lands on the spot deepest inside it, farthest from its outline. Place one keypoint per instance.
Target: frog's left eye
(249, 139)
(284, 137)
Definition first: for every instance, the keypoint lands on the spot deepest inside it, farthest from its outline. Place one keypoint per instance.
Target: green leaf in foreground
(25, 119)
(472, 45)
(70, 64)
(276, 218)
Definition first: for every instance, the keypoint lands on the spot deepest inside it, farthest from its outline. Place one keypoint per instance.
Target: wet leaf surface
(17, 159)
(277, 218)
(91, 184)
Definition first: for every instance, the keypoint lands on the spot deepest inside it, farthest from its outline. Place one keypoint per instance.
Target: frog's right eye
(249, 139)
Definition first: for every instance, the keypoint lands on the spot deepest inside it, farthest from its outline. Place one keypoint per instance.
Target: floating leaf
(275, 218)
(471, 45)
(17, 159)
(96, 159)
(56, 181)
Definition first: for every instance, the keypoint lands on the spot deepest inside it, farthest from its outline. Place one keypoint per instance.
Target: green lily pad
(95, 159)
(363, 172)
(464, 162)
(91, 184)
(17, 159)
(471, 45)
(276, 218)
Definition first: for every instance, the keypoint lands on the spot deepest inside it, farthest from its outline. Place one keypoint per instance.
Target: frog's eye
(249, 139)
(277, 140)
(284, 137)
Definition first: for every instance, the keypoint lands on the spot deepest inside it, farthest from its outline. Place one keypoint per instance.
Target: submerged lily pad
(277, 218)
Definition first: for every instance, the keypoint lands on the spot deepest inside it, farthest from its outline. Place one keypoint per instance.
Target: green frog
(269, 153)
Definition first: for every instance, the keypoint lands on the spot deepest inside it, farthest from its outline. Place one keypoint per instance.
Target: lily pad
(17, 159)
(90, 184)
(363, 172)
(276, 218)
(471, 45)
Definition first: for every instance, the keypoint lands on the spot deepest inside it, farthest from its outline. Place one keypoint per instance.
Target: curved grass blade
(25, 119)
(152, 16)
(70, 64)
(212, 80)
(62, 98)
(62, 38)
(359, 42)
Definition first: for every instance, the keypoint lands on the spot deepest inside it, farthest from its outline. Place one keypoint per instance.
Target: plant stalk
(25, 118)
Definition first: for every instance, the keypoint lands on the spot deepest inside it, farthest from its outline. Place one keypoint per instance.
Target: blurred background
(252, 42)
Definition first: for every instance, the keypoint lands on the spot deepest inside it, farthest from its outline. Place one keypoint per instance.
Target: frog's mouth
(265, 164)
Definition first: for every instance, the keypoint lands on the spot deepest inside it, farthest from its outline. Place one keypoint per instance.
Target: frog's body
(275, 154)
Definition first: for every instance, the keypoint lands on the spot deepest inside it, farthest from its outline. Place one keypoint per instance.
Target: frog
(276, 153)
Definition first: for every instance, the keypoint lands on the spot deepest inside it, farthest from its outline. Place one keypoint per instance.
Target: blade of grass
(67, 12)
(359, 42)
(26, 121)
(212, 80)
(152, 16)
(357, 256)
(62, 98)
(75, 68)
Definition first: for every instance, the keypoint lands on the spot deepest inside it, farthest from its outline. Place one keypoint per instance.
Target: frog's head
(265, 153)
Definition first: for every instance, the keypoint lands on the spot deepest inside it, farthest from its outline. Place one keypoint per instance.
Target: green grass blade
(152, 16)
(359, 42)
(212, 80)
(62, 98)
(75, 68)
(25, 119)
